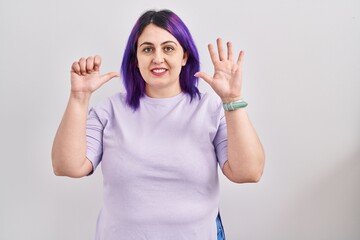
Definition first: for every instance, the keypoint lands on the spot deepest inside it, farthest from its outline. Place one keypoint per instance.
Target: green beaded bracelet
(235, 105)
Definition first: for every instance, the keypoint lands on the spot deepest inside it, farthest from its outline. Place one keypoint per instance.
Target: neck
(162, 93)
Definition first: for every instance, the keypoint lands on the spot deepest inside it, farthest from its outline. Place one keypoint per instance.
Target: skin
(69, 147)
(246, 156)
(160, 58)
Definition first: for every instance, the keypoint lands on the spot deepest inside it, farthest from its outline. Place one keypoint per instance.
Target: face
(160, 59)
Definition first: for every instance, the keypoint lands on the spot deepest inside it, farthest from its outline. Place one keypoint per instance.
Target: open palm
(227, 78)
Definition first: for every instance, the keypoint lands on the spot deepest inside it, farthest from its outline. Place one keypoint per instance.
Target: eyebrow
(149, 43)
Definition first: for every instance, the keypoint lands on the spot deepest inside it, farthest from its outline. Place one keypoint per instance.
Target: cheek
(140, 59)
(141, 64)
(177, 63)
(143, 71)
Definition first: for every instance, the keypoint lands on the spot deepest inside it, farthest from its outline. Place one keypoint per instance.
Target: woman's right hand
(69, 147)
(85, 75)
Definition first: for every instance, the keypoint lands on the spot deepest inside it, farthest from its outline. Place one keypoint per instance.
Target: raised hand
(227, 78)
(85, 75)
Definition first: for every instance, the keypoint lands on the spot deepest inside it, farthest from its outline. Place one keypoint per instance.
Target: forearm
(245, 153)
(69, 147)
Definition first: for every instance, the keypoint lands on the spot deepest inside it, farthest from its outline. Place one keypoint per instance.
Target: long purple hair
(133, 81)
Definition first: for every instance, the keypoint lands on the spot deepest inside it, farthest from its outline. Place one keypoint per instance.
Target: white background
(301, 80)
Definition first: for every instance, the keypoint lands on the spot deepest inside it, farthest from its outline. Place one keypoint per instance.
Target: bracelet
(234, 105)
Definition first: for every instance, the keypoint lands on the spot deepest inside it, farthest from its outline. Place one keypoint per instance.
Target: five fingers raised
(220, 55)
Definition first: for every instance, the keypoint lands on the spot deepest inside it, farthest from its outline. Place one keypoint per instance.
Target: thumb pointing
(108, 76)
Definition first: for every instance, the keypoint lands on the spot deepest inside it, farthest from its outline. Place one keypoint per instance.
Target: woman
(161, 141)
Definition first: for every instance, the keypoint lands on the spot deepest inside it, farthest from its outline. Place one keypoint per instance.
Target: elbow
(56, 172)
(71, 174)
(256, 172)
(249, 174)
(247, 178)
(255, 178)
(55, 163)
(55, 167)
(62, 171)
(70, 167)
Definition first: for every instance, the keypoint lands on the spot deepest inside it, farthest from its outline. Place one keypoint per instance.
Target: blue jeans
(220, 228)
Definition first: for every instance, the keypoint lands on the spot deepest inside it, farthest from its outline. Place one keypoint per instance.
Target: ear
(185, 58)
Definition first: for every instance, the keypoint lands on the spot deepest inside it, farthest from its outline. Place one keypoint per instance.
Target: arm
(69, 147)
(245, 153)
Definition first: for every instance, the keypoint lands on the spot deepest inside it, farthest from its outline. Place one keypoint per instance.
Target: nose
(158, 57)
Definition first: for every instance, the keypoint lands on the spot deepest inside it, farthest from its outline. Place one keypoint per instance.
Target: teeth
(159, 70)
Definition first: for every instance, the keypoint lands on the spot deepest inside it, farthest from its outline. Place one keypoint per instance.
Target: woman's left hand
(227, 78)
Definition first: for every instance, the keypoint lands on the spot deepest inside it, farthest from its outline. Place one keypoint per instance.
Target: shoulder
(211, 102)
(210, 97)
(107, 106)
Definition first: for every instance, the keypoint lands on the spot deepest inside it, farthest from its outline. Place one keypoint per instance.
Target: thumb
(108, 76)
(204, 76)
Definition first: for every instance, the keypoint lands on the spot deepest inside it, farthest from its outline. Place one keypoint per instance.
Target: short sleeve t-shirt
(159, 165)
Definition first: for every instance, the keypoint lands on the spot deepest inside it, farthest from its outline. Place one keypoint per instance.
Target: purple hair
(133, 81)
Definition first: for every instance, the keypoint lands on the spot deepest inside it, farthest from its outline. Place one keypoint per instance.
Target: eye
(147, 50)
(168, 49)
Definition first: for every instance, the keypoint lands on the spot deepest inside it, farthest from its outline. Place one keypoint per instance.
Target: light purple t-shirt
(160, 166)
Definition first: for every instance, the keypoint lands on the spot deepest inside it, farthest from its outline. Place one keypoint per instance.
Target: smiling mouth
(159, 70)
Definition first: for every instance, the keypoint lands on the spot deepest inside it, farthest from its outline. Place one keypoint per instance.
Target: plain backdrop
(301, 80)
